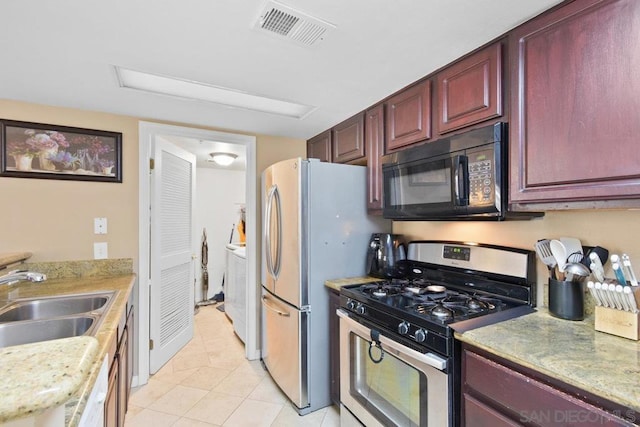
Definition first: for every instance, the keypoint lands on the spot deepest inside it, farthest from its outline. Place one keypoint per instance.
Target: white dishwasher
(235, 294)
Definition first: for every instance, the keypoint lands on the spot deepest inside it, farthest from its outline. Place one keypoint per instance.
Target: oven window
(391, 390)
(422, 183)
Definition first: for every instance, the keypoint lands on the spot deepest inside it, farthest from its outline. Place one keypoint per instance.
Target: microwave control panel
(481, 178)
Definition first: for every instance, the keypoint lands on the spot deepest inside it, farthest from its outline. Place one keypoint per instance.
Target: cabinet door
(374, 141)
(409, 116)
(518, 396)
(334, 347)
(470, 91)
(477, 414)
(575, 102)
(319, 147)
(347, 140)
(131, 340)
(123, 371)
(111, 401)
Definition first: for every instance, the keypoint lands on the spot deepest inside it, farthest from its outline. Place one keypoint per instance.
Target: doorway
(148, 133)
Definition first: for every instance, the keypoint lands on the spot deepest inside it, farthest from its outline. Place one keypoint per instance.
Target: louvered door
(172, 252)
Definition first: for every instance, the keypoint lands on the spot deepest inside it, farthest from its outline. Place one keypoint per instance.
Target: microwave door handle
(461, 180)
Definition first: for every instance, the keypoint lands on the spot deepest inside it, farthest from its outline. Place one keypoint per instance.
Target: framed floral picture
(37, 150)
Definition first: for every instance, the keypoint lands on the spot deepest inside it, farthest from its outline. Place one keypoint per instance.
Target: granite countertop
(336, 284)
(571, 351)
(9, 258)
(72, 364)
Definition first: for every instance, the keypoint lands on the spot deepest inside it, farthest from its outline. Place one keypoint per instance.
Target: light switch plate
(100, 250)
(100, 225)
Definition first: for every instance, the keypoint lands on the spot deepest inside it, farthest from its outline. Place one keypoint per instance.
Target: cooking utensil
(573, 248)
(628, 270)
(574, 271)
(575, 257)
(543, 250)
(559, 253)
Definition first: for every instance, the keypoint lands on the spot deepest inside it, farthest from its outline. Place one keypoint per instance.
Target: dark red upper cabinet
(347, 139)
(409, 116)
(374, 141)
(319, 147)
(470, 91)
(575, 107)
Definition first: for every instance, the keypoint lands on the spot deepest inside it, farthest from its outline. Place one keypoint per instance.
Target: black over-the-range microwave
(460, 177)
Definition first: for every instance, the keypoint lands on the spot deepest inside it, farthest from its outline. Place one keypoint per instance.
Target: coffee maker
(385, 250)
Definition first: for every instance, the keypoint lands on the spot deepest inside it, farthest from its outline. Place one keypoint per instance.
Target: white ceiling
(63, 53)
(202, 149)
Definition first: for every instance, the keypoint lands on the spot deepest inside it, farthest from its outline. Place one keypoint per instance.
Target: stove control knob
(403, 328)
(351, 304)
(360, 309)
(420, 335)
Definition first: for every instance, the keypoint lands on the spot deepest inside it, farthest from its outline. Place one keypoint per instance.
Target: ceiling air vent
(284, 21)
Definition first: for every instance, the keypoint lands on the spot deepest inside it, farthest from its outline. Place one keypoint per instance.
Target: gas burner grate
(381, 290)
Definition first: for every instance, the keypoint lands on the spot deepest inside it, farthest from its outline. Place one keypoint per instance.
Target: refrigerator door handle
(267, 230)
(272, 308)
(278, 204)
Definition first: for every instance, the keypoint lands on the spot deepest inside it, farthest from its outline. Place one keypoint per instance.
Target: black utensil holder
(566, 299)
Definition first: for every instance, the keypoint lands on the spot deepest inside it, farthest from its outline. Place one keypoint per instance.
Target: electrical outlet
(100, 250)
(99, 225)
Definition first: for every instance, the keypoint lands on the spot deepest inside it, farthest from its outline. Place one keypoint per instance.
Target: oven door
(384, 383)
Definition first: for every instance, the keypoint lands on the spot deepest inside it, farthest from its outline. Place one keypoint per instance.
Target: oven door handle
(430, 359)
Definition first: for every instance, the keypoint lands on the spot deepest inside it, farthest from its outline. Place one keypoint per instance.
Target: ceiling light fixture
(223, 159)
(191, 90)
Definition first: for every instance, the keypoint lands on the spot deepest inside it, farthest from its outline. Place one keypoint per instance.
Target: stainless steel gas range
(399, 361)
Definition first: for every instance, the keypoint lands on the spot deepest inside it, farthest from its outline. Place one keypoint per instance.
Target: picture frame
(46, 151)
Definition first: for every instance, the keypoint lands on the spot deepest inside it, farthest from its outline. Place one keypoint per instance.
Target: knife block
(617, 322)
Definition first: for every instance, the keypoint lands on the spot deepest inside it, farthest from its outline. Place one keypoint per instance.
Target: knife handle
(592, 290)
(626, 262)
(614, 296)
(631, 299)
(595, 260)
(622, 298)
(603, 294)
(619, 273)
(597, 273)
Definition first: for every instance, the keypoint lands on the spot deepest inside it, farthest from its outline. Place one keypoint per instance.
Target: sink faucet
(17, 275)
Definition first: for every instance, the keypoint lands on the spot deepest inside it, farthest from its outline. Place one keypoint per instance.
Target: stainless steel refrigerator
(315, 228)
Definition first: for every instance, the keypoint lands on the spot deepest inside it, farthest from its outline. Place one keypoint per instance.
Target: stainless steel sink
(17, 333)
(49, 307)
(31, 320)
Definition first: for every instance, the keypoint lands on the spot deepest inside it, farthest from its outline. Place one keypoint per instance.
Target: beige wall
(616, 230)
(54, 218)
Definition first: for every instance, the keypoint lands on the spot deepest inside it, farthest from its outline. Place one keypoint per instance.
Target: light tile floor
(210, 383)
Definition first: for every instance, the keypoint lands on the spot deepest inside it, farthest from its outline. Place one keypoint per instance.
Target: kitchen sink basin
(57, 306)
(25, 332)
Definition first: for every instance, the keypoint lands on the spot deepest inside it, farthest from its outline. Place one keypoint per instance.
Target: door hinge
(150, 344)
(152, 164)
